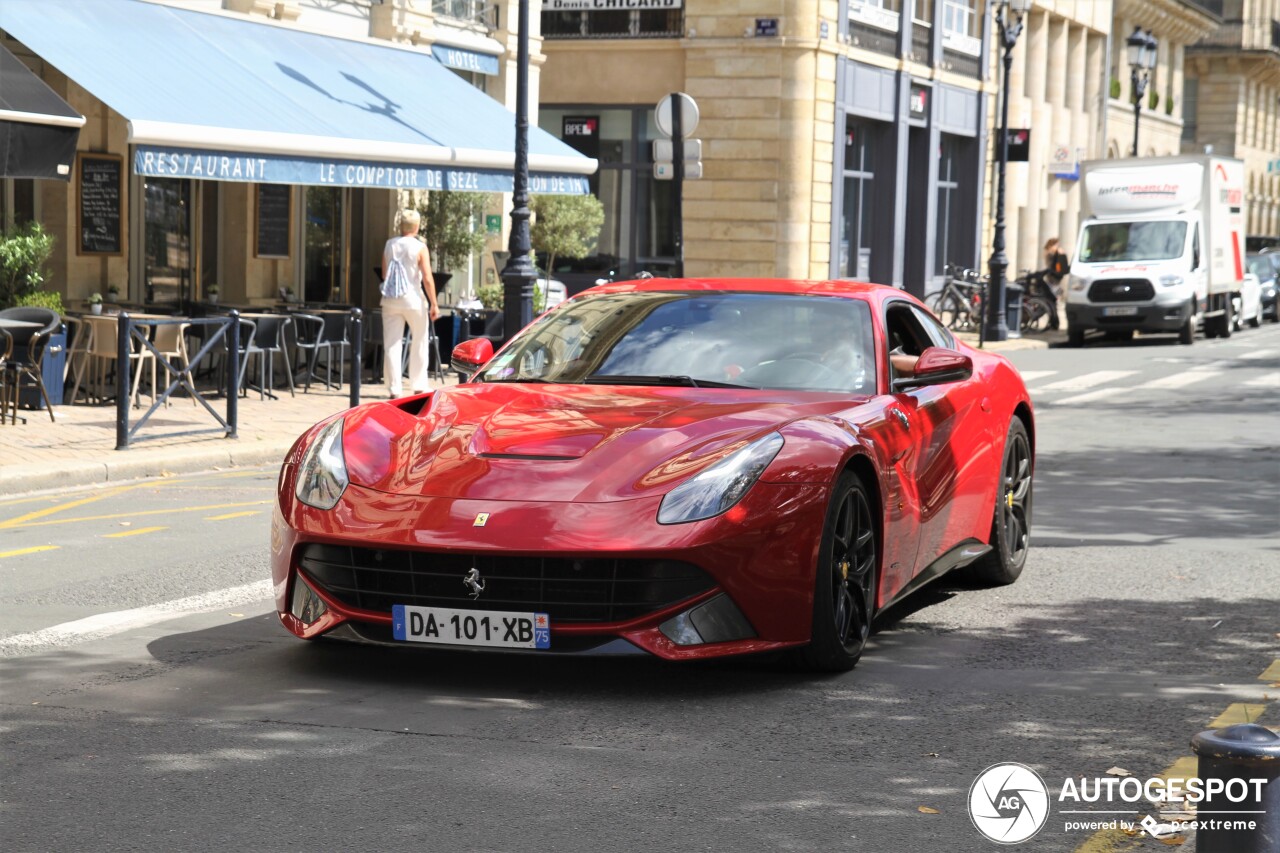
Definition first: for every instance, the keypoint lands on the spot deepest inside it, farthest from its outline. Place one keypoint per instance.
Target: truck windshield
(1133, 241)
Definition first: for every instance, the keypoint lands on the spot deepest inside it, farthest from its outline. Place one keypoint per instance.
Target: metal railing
(131, 330)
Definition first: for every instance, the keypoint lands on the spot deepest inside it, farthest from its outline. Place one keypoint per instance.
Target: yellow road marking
(34, 550)
(1238, 712)
(116, 490)
(1186, 767)
(139, 513)
(234, 515)
(1271, 673)
(138, 532)
(21, 520)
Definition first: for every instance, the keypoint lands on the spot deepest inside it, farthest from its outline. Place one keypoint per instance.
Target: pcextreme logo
(1008, 803)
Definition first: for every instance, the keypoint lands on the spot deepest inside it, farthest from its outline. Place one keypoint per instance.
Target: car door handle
(902, 418)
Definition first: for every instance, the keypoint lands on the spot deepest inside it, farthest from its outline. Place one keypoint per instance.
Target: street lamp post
(1142, 58)
(996, 327)
(519, 275)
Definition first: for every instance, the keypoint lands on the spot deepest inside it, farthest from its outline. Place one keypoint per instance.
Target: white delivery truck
(1161, 249)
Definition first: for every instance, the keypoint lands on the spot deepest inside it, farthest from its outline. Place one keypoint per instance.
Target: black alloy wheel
(844, 598)
(1011, 521)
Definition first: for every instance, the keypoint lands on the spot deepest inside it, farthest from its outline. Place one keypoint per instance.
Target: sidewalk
(79, 448)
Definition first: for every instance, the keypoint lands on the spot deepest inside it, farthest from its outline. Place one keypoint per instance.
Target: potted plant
(113, 292)
(453, 228)
(211, 292)
(95, 303)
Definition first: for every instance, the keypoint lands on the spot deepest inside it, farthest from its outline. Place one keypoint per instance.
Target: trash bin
(1013, 308)
(53, 367)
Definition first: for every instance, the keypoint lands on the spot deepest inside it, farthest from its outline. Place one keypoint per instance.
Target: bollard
(357, 350)
(1246, 751)
(123, 349)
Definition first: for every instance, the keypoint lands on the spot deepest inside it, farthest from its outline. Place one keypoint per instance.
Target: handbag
(397, 284)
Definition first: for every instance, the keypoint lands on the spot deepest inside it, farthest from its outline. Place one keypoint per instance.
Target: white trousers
(396, 313)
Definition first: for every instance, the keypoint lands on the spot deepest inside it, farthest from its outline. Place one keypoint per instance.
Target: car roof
(837, 287)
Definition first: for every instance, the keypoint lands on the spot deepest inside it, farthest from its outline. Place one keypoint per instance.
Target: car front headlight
(1170, 280)
(322, 475)
(1076, 283)
(720, 486)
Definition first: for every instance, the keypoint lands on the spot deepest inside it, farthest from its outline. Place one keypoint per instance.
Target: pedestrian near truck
(408, 298)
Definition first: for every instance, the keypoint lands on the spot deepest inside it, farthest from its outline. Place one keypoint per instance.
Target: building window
(950, 216)
(858, 210)
(922, 30)
(17, 202)
(960, 28)
(1190, 108)
(473, 11)
(166, 230)
(874, 24)
(322, 243)
(637, 208)
(612, 23)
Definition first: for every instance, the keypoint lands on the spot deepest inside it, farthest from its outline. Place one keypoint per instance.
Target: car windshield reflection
(712, 339)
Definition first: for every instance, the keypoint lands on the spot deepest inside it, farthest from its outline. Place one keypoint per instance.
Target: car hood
(505, 441)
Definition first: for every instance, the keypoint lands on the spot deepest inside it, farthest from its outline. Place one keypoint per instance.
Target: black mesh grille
(568, 590)
(1121, 290)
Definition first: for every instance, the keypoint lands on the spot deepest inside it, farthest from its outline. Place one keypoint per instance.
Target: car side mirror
(470, 356)
(936, 366)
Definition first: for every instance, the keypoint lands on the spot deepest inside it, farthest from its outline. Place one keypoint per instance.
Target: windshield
(1261, 267)
(754, 340)
(1133, 241)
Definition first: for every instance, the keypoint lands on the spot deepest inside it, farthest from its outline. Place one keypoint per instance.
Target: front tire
(1075, 336)
(844, 595)
(1187, 334)
(1011, 519)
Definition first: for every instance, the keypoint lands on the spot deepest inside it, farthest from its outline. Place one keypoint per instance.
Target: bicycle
(958, 306)
(1039, 305)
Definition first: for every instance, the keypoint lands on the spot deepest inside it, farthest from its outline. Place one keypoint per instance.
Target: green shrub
(494, 296)
(565, 226)
(41, 299)
(24, 252)
(1115, 87)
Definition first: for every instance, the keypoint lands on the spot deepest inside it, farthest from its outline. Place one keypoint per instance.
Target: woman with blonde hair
(406, 271)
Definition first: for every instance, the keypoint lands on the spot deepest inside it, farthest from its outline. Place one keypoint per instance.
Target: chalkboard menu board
(98, 216)
(274, 211)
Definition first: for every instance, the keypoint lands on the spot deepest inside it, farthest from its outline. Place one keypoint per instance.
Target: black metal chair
(265, 340)
(327, 332)
(24, 365)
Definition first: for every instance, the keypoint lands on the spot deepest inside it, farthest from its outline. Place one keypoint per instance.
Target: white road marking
(1179, 380)
(1100, 394)
(106, 624)
(1271, 380)
(1033, 375)
(1085, 381)
(1261, 353)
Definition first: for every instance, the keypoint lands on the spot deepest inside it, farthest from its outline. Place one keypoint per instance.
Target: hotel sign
(159, 162)
(465, 60)
(609, 5)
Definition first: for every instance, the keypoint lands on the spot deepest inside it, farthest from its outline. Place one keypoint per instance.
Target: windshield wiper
(671, 379)
(513, 379)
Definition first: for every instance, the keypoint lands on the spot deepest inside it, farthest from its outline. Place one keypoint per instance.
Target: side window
(905, 335)
(937, 333)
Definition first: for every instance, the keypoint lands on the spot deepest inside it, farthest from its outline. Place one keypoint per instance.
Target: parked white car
(1248, 304)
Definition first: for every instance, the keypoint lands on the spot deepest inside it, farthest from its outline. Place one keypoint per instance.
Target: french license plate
(1120, 311)
(470, 627)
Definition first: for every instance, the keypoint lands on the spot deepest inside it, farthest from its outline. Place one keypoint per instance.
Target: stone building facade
(1233, 93)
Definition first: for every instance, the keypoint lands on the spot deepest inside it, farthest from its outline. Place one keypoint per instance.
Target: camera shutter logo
(1008, 803)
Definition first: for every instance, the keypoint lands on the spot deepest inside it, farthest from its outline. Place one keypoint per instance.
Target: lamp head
(1152, 45)
(1136, 49)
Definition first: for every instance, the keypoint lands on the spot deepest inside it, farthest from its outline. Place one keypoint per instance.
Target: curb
(998, 346)
(21, 479)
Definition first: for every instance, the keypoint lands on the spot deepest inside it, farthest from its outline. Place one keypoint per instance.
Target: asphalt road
(151, 701)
